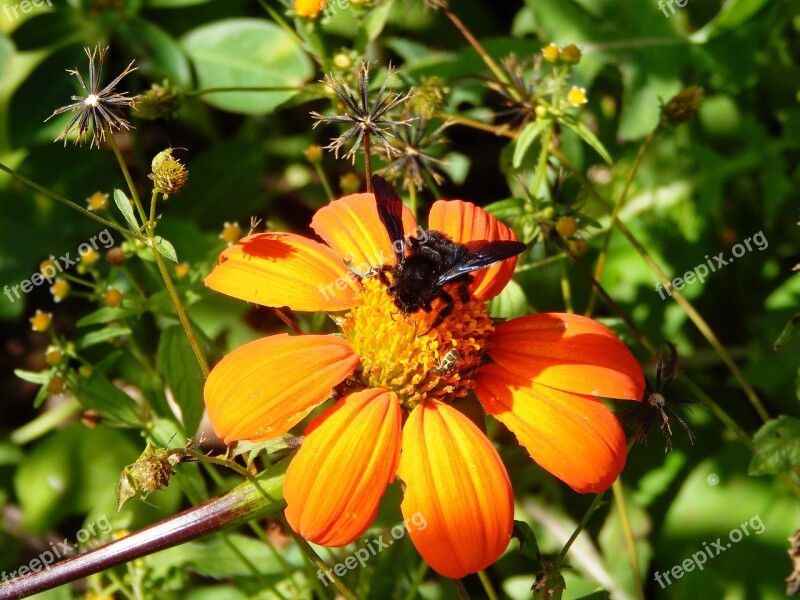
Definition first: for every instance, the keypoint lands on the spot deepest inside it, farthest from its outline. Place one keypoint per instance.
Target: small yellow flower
(313, 154)
(577, 96)
(90, 257)
(57, 384)
(60, 290)
(85, 371)
(571, 54)
(97, 201)
(231, 232)
(566, 227)
(53, 355)
(578, 247)
(112, 297)
(342, 62)
(551, 53)
(41, 321)
(309, 9)
(182, 270)
(49, 265)
(349, 183)
(541, 111)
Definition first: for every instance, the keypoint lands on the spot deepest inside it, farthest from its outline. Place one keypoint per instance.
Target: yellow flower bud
(59, 290)
(182, 270)
(566, 227)
(551, 52)
(231, 232)
(313, 154)
(57, 384)
(577, 96)
(41, 321)
(570, 54)
(97, 201)
(112, 297)
(309, 9)
(349, 183)
(53, 355)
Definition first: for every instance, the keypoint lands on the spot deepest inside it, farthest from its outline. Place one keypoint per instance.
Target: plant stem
(150, 231)
(502, 130)
(589, 512)
(460, 589)
(325, 183)
(419, 575)
(251, 499)
(493, 66)
(45, 422)
(368, 161)
(70, 203)
(565, 289)
(412, 199)
(487, 585)
(687, 307)
(345, 591)
(601, 258)
(277, 88)
(630, 544)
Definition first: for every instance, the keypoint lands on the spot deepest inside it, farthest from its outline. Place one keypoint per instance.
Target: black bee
(432, 259)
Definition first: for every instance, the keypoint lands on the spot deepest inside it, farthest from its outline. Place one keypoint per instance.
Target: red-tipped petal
(464, 222)
(284, 269)
(262, 389)
(457, 487)
(349, 455)
(568, 352)
(573, 436)
(352, 227)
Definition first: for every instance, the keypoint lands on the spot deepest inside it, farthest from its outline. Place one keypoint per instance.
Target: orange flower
(394, 413)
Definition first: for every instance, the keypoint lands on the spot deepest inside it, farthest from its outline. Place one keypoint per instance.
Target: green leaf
(507, 210)
(159, 54)
(587, 135)
(527, 137)
(730, 16)
(126, 208)
(102, 335)
(39, 378)
(107, 314)
(776, 447)
(111, 403)
(183, 376)
(373, 24)
(510, 303)
(528, 546)
(246, 53)
(788, 331)
(165, 249)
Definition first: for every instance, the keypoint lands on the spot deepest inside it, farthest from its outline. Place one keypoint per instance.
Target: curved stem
(45, 422)
(487, 585)
(70, 203)
(601, 258)
(630, 544)
(368, 161)
(251, 499)
(687, 307)
(277, 88)
(460, 589)
(581, 526)
(171, 291)
(419, 575)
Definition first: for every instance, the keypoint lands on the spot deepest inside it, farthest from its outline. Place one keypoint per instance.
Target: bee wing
(390, 210)
(479, 255)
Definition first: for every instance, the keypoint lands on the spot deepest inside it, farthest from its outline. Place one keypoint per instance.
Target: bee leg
(382, 274)
(463, 293)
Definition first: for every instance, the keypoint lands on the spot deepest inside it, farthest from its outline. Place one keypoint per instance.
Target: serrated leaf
(776, 447)
(587, 136)
(37, 377)
(165, 249)
(527, 137)
(102, 335)
(183, 376)
(126, 208)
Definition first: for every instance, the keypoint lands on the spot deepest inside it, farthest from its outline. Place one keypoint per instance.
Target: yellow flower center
(405, 354)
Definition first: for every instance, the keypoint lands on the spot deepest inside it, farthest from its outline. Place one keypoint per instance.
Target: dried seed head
(682, 106)
(169, 175)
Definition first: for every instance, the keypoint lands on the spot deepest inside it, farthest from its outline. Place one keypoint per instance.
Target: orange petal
(348, 457)
(573, 436)
(457, 486)
(464, 222)
(352, 227)
(284, 269)
(262, 389)
(568, 352)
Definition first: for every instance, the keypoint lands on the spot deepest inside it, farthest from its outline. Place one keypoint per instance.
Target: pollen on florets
(403, 353)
